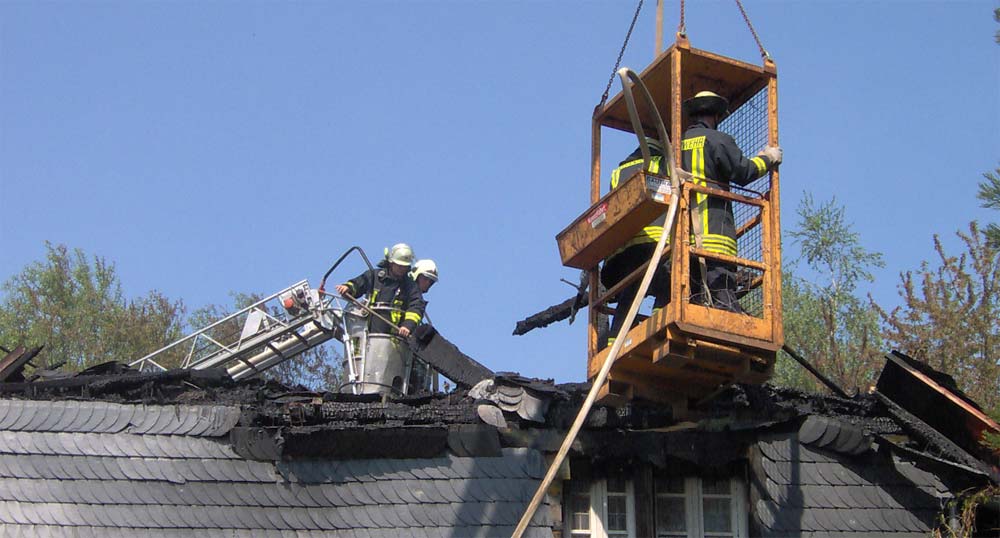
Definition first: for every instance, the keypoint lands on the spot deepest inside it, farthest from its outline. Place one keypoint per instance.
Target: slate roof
(805, 491)
(74, 468)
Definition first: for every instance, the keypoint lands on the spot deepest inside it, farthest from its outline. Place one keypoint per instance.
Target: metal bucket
(356, 319)
(386, 364)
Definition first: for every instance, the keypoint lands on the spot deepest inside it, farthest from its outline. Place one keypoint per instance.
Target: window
(600, 509)
(693, 507)
(678, 506)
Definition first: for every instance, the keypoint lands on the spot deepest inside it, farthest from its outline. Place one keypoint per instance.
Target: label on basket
(598, 216)
(658, 187)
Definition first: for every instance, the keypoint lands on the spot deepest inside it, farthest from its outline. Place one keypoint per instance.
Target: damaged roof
(114, 452)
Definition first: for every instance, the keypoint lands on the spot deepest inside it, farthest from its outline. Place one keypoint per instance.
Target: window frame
(694, 497)
(598, 495)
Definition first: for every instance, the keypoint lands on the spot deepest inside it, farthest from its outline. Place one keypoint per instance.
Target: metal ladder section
(258, 337)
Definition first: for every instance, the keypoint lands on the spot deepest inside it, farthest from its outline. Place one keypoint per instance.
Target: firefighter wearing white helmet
(425, 273)
(714, 159)
(390, 292)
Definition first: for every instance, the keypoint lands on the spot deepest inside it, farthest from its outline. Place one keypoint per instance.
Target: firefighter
(713, 156)
(639, 248)
(425, 274)
(391, 292)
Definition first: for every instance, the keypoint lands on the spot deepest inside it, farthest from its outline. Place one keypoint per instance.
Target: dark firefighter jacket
(652, 232)
(713, 155)
(399, 298)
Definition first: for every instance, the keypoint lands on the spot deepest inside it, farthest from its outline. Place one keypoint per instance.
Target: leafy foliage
(950, 315)
(825, 320)
(75, 307)
(989, 194)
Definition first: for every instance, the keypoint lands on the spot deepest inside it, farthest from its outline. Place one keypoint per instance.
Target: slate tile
(118, 418)
(377, 516)
(447, 490)
(25, 416)
(388, 513)
(327, 518)
(57, 411)
(420, 514)
(363, 516)
(406, 490)
(11, 512)
(774, 472)
(420, 472)
(349, 515)
(771, 449)
(372, 494)
(399, 470)
(88, 420)
(453, 467)
(8, 414)
(253, 518)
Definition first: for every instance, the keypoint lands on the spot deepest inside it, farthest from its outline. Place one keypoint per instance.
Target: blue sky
(209, 147)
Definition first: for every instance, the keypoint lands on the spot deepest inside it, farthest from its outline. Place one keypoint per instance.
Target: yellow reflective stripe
(654, 165)
(654, 168)
(350, 285)
(394, 316)
(374, 295)
(761, 167)
(698, 171)
(689, 144)
(413, 316)
(717, 243)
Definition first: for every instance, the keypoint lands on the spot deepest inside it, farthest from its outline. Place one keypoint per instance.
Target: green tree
(989, 194)
(316, 369)
(950, 316)
(74, 305)
(824, 319)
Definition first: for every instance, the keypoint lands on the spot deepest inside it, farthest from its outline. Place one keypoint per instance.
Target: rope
(611, 79)
(680, 27)
(739, 4)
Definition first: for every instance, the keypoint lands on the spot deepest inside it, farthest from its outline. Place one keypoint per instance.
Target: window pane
(580, 511)
(715, 487)
(670, 516)
(717, 515)
(616, 513)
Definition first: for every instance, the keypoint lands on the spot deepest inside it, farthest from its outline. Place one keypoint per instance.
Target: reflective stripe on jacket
(402, 295)
(652, 232)
(713, 155)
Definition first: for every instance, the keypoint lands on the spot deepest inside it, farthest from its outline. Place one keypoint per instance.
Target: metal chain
(680, 27)
(604, 97)
(763, 53)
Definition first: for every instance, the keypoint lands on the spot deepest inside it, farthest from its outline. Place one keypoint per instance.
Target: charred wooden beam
(551, 314)
(447, 359)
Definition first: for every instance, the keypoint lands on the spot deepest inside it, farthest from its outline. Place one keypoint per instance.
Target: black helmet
(706, 102)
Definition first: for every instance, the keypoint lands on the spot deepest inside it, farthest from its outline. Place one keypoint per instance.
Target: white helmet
(425, 267)
(400, 254)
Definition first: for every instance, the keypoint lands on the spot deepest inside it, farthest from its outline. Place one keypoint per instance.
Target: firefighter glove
(773, 153)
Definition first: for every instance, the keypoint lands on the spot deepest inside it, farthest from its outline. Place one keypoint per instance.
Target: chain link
(763, 53)
(618, 62)
(680, 27)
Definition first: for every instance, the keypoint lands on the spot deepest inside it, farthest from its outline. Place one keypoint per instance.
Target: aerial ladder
(286, 324)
